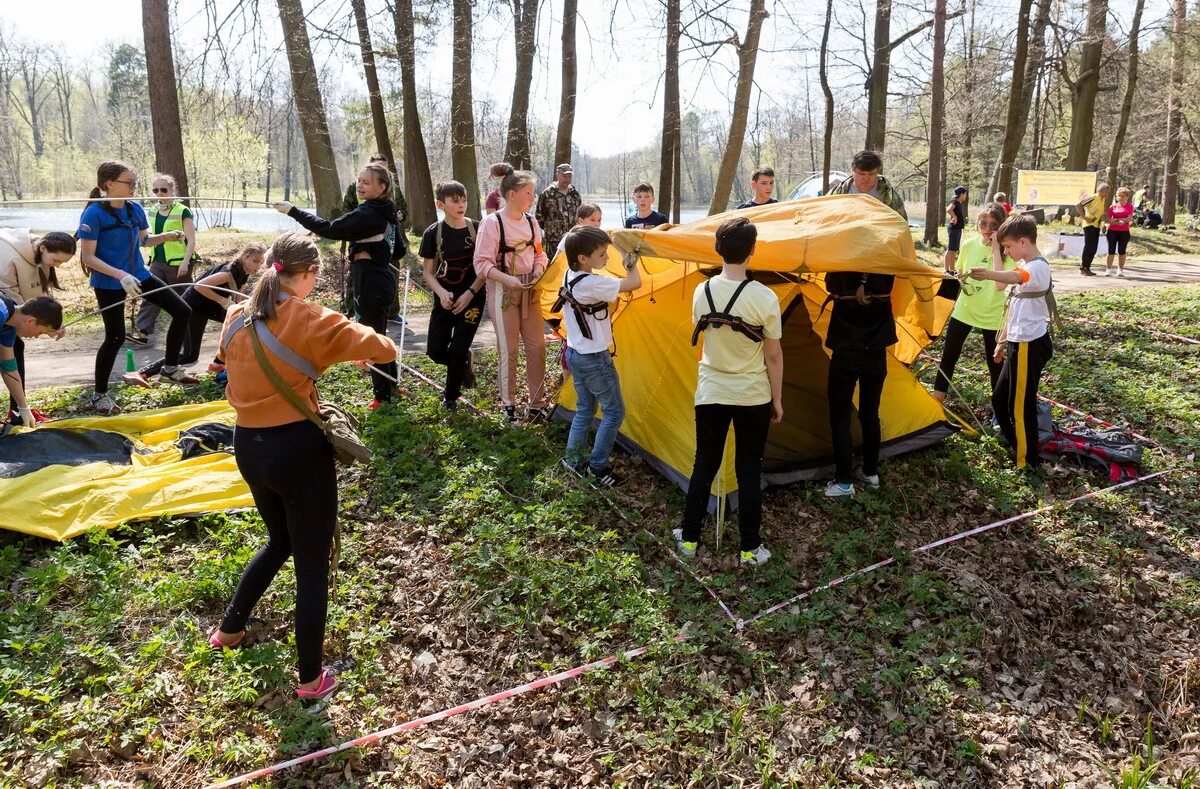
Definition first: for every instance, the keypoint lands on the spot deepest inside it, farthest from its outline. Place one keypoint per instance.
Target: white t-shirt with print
(1029, 319)
(591, 289)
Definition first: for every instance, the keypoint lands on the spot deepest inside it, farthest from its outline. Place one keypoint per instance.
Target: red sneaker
(374, 405)
(39, 416)
(136, 379)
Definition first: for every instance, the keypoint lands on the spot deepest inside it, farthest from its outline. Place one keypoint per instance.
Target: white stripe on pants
(520, 322)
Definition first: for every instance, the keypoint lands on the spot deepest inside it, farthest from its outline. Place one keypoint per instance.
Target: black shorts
(1118, 241)
(955, 234)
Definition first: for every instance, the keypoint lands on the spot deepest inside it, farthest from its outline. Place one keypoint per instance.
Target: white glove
(27, 418)
(131, 285)
(283, 206)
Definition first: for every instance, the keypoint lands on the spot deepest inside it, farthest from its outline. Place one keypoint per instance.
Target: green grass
(990, 662)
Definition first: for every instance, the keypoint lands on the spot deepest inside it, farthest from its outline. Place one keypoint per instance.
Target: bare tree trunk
(827, 150)
(383, 141)
(1014, 131)
(62, 86)
(1087, 85)
(516, 144)
(462, 110)
(418, 184)
(570, 72)
(937, 112)
(287, 159)
(32, 81)
(1114, 158)
(877, 82)
(311, 108)
(668, 174)
(164, 95)
(677, 186)
(1174, 112)
(747, 56)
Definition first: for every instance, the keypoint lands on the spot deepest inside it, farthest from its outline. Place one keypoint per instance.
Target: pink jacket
(516, 235)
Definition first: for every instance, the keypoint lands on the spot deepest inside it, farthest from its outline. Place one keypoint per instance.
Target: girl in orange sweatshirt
(286, 459)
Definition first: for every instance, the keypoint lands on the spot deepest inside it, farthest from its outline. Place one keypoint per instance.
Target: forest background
(285, 100)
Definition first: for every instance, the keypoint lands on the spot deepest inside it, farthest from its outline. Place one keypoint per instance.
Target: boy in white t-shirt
(1027, 331)
(584, 298)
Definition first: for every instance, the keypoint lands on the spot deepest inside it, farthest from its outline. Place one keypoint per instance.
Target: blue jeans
(596, 383)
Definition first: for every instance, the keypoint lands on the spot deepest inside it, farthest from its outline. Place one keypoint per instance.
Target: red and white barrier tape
(416, 723)
(946, 541)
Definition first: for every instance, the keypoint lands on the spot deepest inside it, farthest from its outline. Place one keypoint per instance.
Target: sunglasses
(160, 190)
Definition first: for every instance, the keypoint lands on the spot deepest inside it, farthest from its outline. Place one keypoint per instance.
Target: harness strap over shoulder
(284, 353)
(439, 260)
(566, 295)
(503, 249)
(715, 320)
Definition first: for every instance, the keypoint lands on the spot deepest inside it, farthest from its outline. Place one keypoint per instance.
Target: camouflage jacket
(556, 214)
(884, 194)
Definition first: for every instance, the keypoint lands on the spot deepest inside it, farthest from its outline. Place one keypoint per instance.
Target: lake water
(257, 220)
(268, 220)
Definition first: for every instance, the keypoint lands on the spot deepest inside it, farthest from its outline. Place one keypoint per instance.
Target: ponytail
(510, 179)
(291, 254)
(107, 171)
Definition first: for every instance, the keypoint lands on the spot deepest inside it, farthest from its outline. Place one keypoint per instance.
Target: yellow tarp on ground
(58, 502)
(798, 242)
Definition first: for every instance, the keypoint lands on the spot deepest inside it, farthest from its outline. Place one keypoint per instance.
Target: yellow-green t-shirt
(979, 304)
(1093, 210)
(733, 369)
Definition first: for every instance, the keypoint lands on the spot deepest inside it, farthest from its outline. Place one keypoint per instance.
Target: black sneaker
(606, 476)
(511, 412)
(538, 414)
(450, 405)
(137, 337)
(574, 467)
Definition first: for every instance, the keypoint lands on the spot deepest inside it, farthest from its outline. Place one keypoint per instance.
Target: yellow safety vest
(173, 251)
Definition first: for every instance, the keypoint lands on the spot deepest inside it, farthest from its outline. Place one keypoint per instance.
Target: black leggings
(1091, 241)
(956, 336)
(19, 353)
(374, 291)
(1014, 399)
(291, 474)
(202, 313)
(1118, 241)
(114, 326)
(750, 426)
(450, 338)
(867, 369)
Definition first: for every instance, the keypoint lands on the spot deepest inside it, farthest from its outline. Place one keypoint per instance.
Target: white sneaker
(1104, 273)
(836, 490)
(759, 555)
(870, 480)
(686, 549)
(1121, 273)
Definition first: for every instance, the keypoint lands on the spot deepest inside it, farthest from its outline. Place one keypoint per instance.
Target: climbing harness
(715, 319)
(566, 295)
(441, 270)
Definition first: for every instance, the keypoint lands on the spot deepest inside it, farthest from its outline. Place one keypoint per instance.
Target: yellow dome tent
(798, 242)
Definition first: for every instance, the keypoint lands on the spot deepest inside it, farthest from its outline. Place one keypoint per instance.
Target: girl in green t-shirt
(980, 305)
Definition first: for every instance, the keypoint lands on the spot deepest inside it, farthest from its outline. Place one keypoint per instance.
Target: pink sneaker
(217, 643)
(324, 689)
(136, 379)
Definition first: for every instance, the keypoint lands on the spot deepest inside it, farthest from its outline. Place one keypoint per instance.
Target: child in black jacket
(373, 234)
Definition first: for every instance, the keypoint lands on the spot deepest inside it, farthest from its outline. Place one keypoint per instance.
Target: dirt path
(70, 361)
